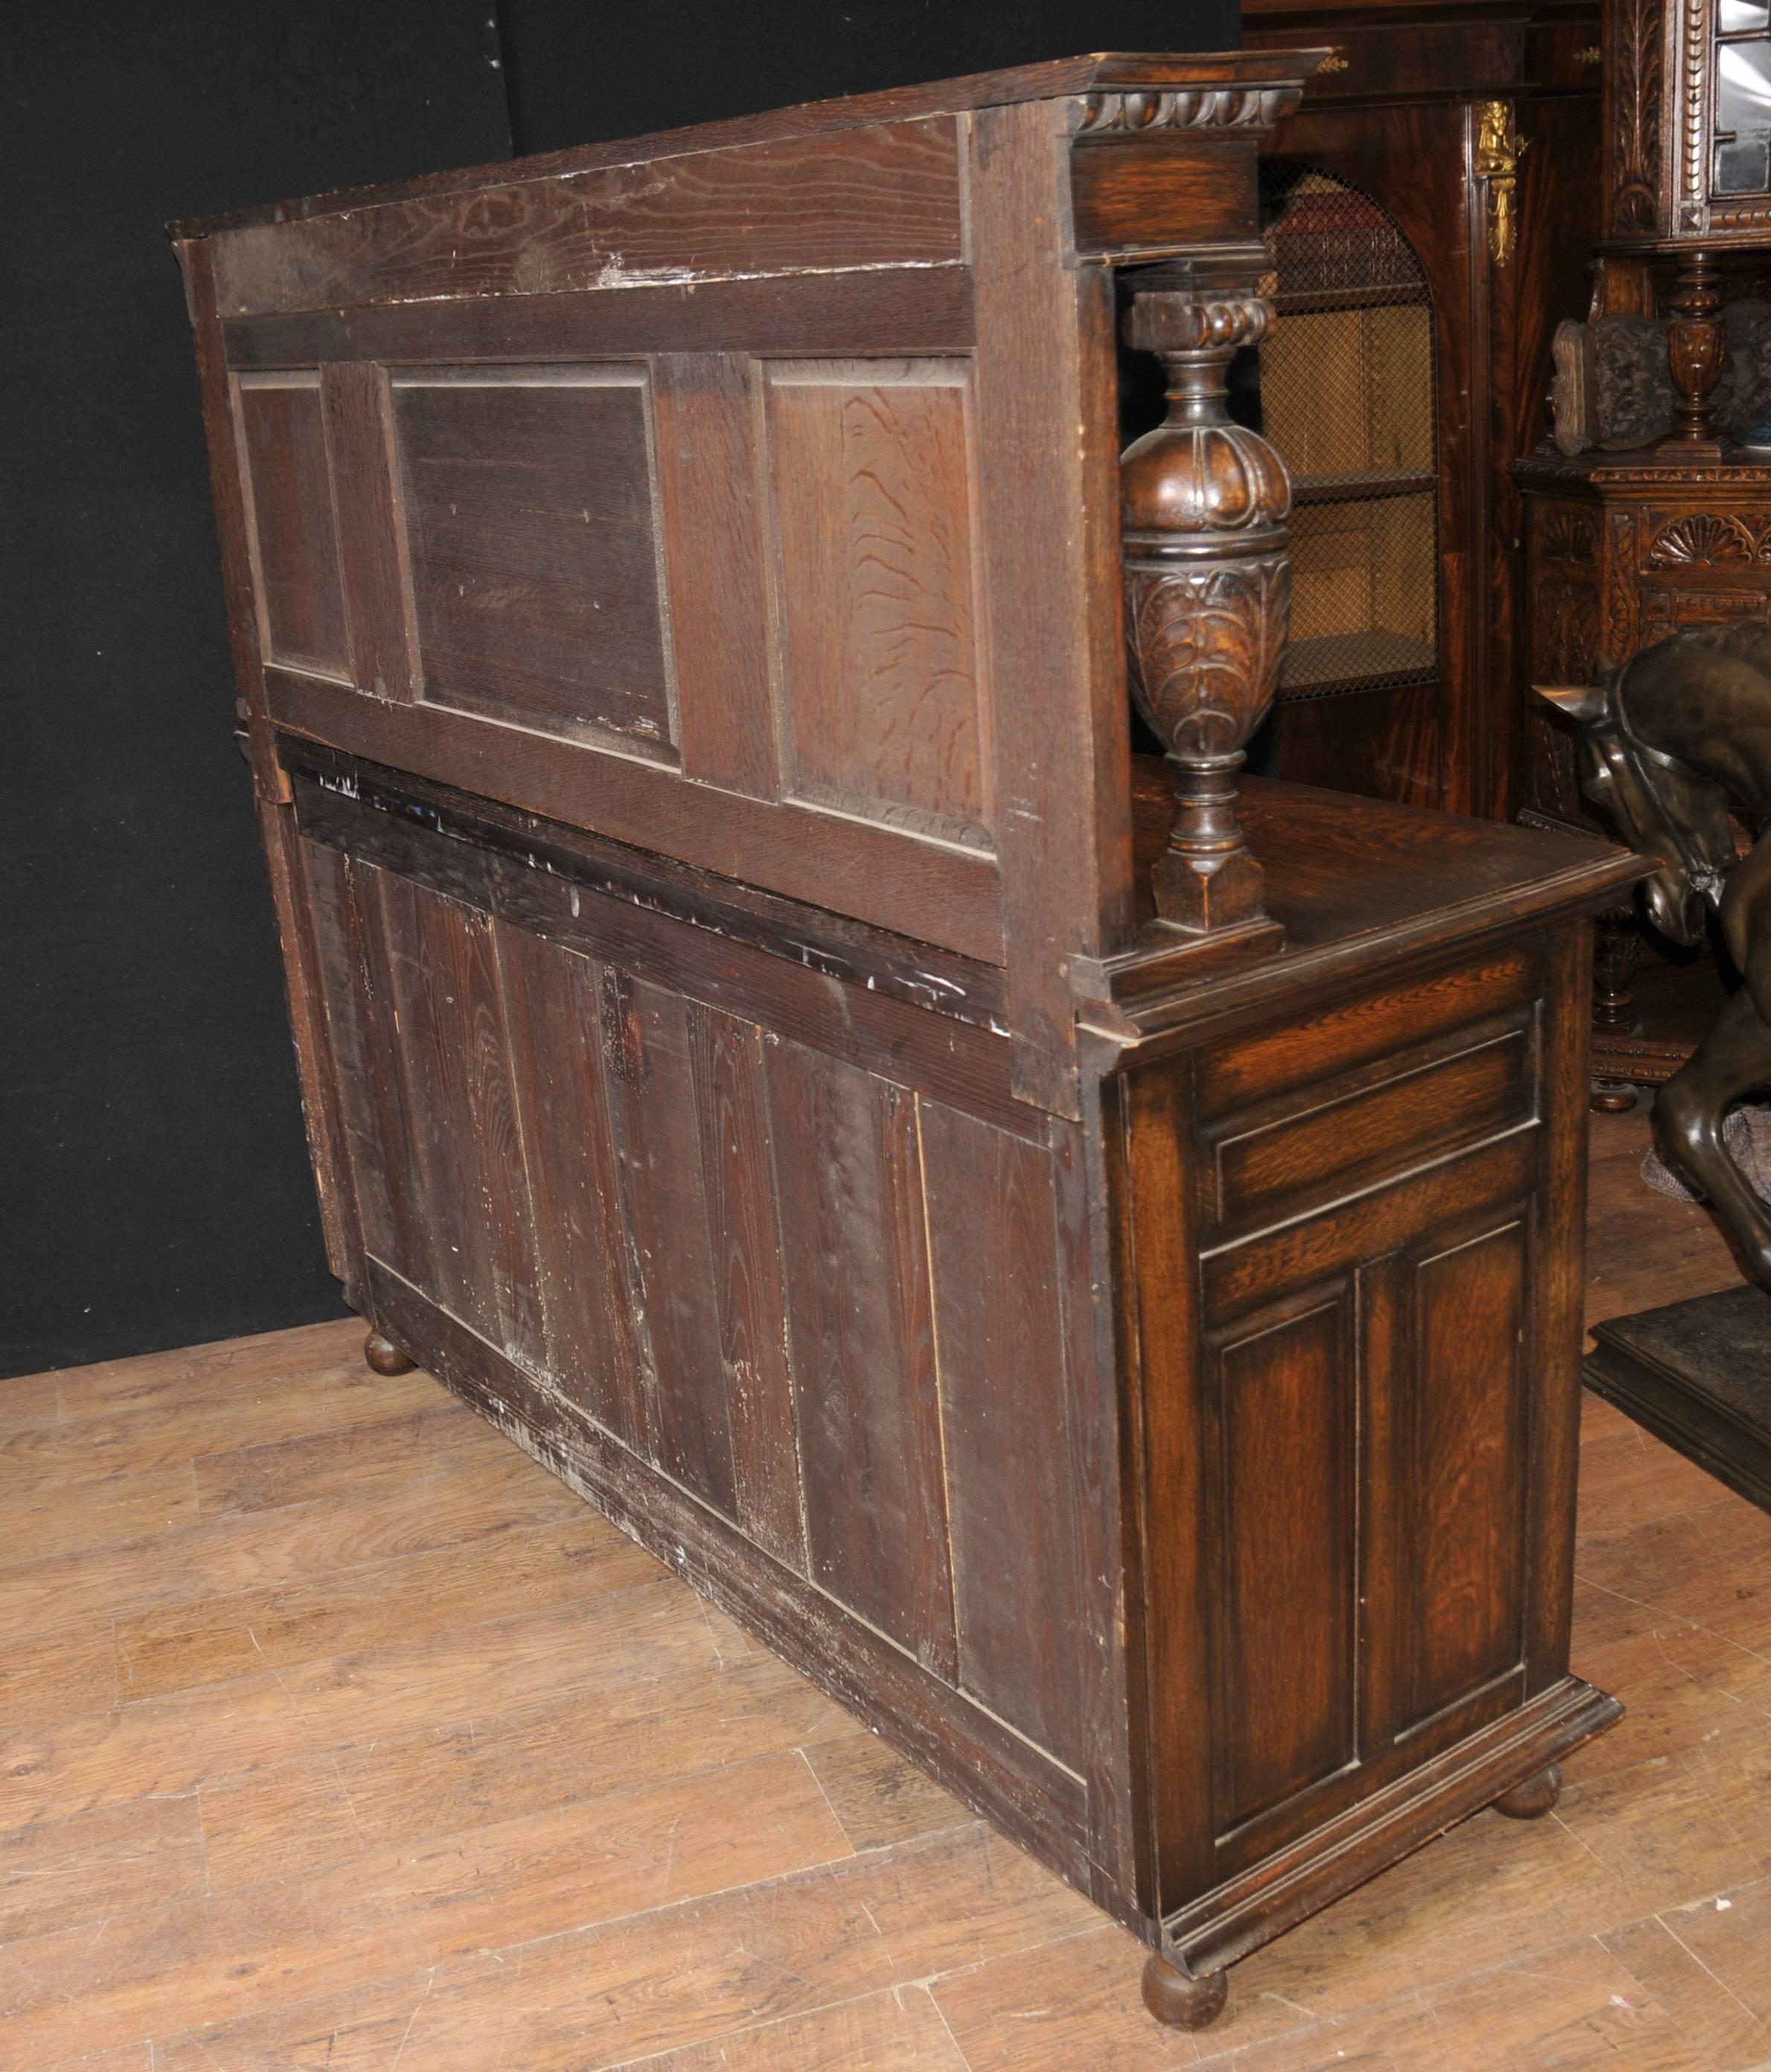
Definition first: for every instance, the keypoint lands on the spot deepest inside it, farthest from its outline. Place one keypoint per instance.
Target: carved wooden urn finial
(1203, 503)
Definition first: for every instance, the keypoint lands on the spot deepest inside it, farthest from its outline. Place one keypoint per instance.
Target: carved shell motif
(1208, 643)
(1704, 537)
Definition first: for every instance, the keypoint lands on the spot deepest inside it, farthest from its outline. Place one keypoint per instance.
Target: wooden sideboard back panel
(772, 1268)
(1370, 1318)
(587, 568)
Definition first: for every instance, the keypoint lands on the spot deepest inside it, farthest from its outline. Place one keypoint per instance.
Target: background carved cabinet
(1131, 1364)
(1429, 206)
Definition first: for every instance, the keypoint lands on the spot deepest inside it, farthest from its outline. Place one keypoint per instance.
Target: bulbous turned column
(1203, 503)
(1696, 342)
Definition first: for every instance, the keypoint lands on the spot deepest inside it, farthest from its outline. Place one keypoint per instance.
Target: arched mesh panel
(1347, 392)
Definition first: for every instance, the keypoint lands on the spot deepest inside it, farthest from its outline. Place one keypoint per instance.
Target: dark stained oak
(1130, 1365)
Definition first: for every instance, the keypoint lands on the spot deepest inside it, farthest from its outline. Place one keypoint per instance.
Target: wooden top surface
(1353, 880)
(1053, 79)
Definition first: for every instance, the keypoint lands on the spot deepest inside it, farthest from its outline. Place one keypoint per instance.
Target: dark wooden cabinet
(1431, 205)
(676, 596)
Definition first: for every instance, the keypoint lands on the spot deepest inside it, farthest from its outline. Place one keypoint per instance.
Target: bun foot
(383, 1355)
(1533, 1798)
(1609, 1098)
(1177, 1997)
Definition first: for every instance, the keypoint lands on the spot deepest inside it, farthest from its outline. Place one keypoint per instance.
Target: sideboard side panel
(762, 1269)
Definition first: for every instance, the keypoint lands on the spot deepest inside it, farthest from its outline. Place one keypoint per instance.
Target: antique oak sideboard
(1092, 1276)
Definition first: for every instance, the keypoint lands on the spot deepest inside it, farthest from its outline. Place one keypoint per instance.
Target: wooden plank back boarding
(1093, 1278)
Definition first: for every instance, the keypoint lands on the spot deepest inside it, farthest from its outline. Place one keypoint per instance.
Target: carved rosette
(1203, 506)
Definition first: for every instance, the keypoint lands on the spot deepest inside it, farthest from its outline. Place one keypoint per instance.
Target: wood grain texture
(1155, 191)
(848, 1177)
(294, 522)
(1008, 1447)
(1058, 78)
(598, 1345)
(372, 530)
(1506, 1942)
(854, 311)
(1282, 1415)
(879, 197)
(710, 503)
(1045, 358)
(530, 530)
(874, 875)
(885, 697)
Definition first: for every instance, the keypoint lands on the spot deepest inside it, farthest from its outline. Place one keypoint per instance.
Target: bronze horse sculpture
(1668, 741)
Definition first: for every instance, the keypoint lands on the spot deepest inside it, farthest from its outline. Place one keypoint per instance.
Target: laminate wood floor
(334, 1733)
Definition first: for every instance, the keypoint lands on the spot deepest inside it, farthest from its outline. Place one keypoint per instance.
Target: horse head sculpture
(1668, 742)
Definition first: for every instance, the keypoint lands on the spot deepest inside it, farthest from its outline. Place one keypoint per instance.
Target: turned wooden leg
(1176, 1997)
(1533, 1798)
(383, 1355)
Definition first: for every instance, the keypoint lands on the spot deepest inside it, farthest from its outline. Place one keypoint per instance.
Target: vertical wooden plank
(426, 1067)
(371, 531)
(505, 1211)
(293, 510)
(1048, 418)
(1386, 1591)
(732, 1103)
(1468, 1557)
(1280, 1499)
(1158, 1252)
(999, 1338)
(343, 998)
(1104, 1469)
(849, 1181)
(705, 417)
(314, 1069)
(452, 1055)
(594, 1325)
(658, 1140)
(1557, 1294)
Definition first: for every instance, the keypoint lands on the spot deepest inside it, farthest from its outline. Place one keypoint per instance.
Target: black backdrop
(154, 1181)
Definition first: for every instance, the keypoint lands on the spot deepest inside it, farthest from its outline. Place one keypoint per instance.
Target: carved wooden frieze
(1257, 107)
(1632, 81)
(1709, 538)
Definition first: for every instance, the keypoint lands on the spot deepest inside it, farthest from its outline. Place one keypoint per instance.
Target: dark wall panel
(580, 72)
(153, 1183)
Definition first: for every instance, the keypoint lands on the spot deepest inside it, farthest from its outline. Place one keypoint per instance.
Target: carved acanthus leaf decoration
(1635, 103)
(1207, 643)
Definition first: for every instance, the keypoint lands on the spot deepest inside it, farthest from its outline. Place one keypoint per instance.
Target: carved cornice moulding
(1257, 108)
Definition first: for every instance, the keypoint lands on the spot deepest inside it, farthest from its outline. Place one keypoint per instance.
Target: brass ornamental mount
(1499, 147)
(1203, 508)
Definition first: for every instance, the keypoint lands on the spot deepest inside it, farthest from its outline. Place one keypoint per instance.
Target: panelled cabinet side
(313, 1060)
(1348, 1239)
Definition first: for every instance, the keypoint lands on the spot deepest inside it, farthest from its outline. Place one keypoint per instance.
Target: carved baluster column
(1203, 506)
(1696, 340)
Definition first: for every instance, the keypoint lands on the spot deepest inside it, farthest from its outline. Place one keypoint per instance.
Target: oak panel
(533, 540)
(849, 1181)
(294, 522)
(372, 528)
(1008, 1445)
(648, 1036)
(1356, 1136)
(876, 197)
(709, 482)
(1467, 1470)
(598, 1346)
(1282, 1500)
(883, 701)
